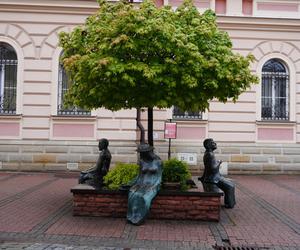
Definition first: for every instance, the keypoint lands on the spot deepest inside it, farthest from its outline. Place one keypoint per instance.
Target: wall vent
(189, 158)
(72, 166)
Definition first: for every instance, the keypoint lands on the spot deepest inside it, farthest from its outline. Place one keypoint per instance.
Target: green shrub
(121, 174)
(176, 171)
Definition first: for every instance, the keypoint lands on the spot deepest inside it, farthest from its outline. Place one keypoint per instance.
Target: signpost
(170, 133)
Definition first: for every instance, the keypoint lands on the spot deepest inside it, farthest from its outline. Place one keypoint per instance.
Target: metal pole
(169, 151)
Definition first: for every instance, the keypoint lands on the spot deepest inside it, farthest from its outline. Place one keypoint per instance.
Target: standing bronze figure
(212, 176)
(146, 186)
(94, 176)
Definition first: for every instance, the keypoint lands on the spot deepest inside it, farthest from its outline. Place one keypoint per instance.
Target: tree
(126, 56)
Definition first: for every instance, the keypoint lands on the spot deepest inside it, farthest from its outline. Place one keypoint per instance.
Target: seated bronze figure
(212, 178)
(94, 176)
(145, 187)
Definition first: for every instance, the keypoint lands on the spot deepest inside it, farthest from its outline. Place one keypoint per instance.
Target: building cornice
(258, 23)
(88, 7)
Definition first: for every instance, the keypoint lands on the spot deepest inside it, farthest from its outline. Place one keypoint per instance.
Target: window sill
(11, 116)
(190, 121)
(276, 123)
(73, 117)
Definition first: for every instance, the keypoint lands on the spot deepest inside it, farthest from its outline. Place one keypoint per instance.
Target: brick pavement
(36, 213)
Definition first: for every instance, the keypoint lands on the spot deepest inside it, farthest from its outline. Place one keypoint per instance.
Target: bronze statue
(146, 186)
(211, 176)
(94, 176)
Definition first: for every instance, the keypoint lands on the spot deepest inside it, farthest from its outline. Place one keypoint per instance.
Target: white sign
(72, 165)
(189, 158)
(224, 168)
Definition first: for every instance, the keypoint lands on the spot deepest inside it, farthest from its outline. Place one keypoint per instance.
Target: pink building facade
(260, 133)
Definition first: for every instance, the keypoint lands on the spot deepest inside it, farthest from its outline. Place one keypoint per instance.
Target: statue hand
(134, 188)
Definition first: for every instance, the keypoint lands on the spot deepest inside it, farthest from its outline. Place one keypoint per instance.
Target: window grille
(63, 86)
(8, 79)
(179, 114)
(275, 91)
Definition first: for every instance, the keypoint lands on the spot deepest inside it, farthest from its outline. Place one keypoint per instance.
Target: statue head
(209, 144)
(144, 147)
(145, 151)
(103, 144)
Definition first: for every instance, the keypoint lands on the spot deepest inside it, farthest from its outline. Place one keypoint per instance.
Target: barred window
(8, 79)
(63, 85)
(180, 114)
(275, 91)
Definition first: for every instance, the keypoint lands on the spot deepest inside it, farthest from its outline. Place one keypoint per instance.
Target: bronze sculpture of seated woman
(145, 187)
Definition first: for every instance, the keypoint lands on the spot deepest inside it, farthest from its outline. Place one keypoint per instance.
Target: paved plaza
(36, 213)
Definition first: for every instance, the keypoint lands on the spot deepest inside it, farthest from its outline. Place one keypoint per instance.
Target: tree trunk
(150, 126)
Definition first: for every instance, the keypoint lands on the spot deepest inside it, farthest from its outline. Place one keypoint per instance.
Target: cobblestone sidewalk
(36, 213)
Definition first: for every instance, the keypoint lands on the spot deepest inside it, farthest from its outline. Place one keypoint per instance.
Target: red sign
(170, 130)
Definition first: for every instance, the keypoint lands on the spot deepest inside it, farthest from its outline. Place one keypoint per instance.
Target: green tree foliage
(126, 56)
(121, 174)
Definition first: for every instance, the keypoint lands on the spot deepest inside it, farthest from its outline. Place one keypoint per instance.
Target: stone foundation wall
(167, 205)
(241, 158)
(40, 155)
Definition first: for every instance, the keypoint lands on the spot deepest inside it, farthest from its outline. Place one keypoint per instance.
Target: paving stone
(36, 214)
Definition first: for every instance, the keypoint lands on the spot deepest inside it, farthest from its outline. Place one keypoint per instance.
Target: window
(179, 114)
(63, 86)
(247, 7)
(221, 7)
(275, 91)
(8, 79)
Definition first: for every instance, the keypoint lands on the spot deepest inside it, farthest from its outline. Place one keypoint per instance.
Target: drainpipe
(140, 125)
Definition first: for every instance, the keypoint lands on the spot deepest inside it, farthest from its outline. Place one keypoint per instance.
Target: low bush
(121, 174)
(176, 171)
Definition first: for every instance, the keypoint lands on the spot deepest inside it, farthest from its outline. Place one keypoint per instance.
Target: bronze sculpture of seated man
(94, 176)
(146, 186)
(212, 176)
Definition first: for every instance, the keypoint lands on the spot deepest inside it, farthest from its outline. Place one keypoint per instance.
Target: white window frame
(20, 72)
(273, 81)
(292, 84)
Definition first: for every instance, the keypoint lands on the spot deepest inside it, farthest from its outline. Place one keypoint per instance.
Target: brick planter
(194, 204)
